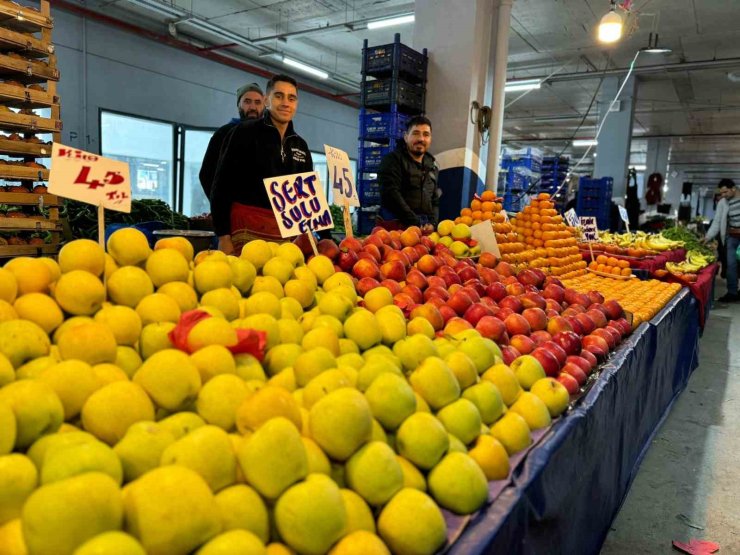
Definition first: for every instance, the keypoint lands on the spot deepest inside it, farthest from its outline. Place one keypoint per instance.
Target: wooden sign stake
(101, 225)
(590, 247)
(313, 243)
(347, 219)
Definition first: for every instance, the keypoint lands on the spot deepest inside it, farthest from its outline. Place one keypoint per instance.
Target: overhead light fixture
(585, 142)
(305, 68)
(639, 167)
(401, 20)
(610, 26)
(523, 85)
(653, 48)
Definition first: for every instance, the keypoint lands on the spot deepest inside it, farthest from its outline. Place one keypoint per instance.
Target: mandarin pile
(489, 208)
(610, 265)
(644, 299)
(552, 246)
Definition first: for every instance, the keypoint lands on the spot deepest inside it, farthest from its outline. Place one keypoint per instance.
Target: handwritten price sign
(572, 218)
(90, 178)
(590, 229)
(298, 203)
(342, 180)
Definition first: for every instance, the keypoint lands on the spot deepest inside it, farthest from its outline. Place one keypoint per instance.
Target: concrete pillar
(657, 157)
(457, 35)
(616, 136)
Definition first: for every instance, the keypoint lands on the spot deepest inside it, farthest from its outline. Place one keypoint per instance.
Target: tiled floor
(688, 485)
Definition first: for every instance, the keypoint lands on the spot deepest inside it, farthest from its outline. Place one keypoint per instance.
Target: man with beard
(252, 152)
(408, 180)
(250, 102)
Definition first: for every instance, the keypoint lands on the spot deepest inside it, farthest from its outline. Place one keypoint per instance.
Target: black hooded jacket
(408, 188)
(253, 151)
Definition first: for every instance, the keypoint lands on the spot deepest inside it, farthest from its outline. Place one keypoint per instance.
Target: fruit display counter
(383, 396)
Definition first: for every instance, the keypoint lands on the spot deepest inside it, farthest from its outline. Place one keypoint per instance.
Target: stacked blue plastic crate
(395, 92)
(594, 199)
(521, 169)
(554, 173)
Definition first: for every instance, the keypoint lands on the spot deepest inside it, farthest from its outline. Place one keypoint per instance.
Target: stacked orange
(552, 246)
(489, 208)
(610, 265)
(643, 299)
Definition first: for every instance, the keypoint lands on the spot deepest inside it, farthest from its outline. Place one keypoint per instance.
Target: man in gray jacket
(408, 180)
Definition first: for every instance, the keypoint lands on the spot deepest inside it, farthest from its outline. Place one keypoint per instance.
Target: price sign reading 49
(90, 178)
(340, 176)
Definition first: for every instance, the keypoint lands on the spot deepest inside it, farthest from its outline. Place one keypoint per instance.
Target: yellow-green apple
(503, 377)
(533, 409)
(455, 325)
(512, 431)
(413, 350)
(527, 370)
(553, 394)
(487, 398)
(435, 382)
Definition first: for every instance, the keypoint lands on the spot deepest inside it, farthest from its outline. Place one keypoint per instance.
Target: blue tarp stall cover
(570, 486)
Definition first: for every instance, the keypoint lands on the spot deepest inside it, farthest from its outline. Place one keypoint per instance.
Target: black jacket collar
(427, 161)
(267, 120)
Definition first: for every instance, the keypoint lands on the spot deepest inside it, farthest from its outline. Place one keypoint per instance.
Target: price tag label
(341, 177)
(483, 233)
(623, 214)
(590, 229)
(298, 203)
(90, 178)
(571, 217)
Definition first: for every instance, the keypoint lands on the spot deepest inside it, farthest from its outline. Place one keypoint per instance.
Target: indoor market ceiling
(690, 96)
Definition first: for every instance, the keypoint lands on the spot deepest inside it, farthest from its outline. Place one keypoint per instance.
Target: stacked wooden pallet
(29, 107)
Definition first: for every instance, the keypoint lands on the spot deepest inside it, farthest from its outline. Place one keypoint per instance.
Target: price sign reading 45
(340, 176)
(90, 178)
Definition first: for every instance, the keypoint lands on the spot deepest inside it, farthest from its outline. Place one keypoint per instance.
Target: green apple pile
(348, 436)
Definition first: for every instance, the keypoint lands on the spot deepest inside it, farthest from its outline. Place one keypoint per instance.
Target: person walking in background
(726, 226)
(250, 102)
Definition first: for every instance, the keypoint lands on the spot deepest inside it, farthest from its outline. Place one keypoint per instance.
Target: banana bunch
(660, 243)
(694, 262)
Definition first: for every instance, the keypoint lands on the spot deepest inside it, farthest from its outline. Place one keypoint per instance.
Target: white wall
(138, 76)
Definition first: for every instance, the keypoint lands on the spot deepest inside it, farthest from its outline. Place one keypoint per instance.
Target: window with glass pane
(148, 148)
(194, 200)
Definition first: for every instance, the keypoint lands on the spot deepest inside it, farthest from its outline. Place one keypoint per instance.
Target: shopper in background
(408, 180)
(718, 227)
(733, 240)
(250, 102)
(253, 151)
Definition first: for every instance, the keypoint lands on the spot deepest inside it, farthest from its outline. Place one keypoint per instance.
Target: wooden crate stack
(28, 82)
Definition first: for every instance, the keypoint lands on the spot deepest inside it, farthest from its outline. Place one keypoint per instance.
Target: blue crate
(368, 192)
(513, 202)
(383, 94)
(384, 60)
(371, 157)
(366, 221)
(382, 126)
(530, 163)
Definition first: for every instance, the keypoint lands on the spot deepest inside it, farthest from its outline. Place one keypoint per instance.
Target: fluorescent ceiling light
(380, 23)
(585, 142)
(610, 27)
(305, 68)
(523, 85)
(639, 167)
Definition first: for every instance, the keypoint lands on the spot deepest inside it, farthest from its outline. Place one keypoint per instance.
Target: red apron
(251, 222)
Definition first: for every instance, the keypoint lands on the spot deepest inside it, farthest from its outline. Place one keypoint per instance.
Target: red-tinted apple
(447, 312)
(347, 259)
(366, 284)
(539, 337)
(613, 309)
(488, 259)
(569, 341)
(522, 343)
(496, 291)
(328, 248)
(393, 286)
(517, 324)
(586, 323)
(536, 317)
(414, 292)
(595, 297)
(512, 303)
(556, 350)
(394, 270)
(491, 328)
(554, 292)
(427, 264)
(573, 370)
(598, 317)
(436, 291)
(430, 313)
(460, 301)
(581, 362)
(416, 278)
(456, 325)
(569, 382)
(475, 312)
(608, 335)
(515, 289)
(351, 244)
(589, 356)
(365, 268)
(548, 361)
(509, 353)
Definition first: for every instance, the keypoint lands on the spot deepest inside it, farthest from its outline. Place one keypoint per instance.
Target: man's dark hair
(729, 183)
(280, 77)
(418, 120)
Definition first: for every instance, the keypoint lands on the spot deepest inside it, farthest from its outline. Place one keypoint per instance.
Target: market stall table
(571, 485)
(702, 288)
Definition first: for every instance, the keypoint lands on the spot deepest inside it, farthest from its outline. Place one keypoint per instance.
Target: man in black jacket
(255, 150)
(408, 179)
(250, 101)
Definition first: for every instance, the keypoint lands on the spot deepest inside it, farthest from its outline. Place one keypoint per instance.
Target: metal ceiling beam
(634, 137)
(724, 63)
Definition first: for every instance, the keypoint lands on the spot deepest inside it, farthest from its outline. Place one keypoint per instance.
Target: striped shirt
(733, 212)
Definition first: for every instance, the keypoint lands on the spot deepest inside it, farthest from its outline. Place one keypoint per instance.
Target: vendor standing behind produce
(250, 101)
(255, 150)
(408, 180)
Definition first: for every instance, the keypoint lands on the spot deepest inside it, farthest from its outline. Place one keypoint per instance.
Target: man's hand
(427, 228)
(225, 245)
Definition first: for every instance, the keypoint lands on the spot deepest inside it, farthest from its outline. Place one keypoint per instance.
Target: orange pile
(488, 208)
(552, 246)
(610, 265)
(643, 299)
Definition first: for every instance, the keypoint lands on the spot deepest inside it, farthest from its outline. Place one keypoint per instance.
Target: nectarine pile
(610, 265)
